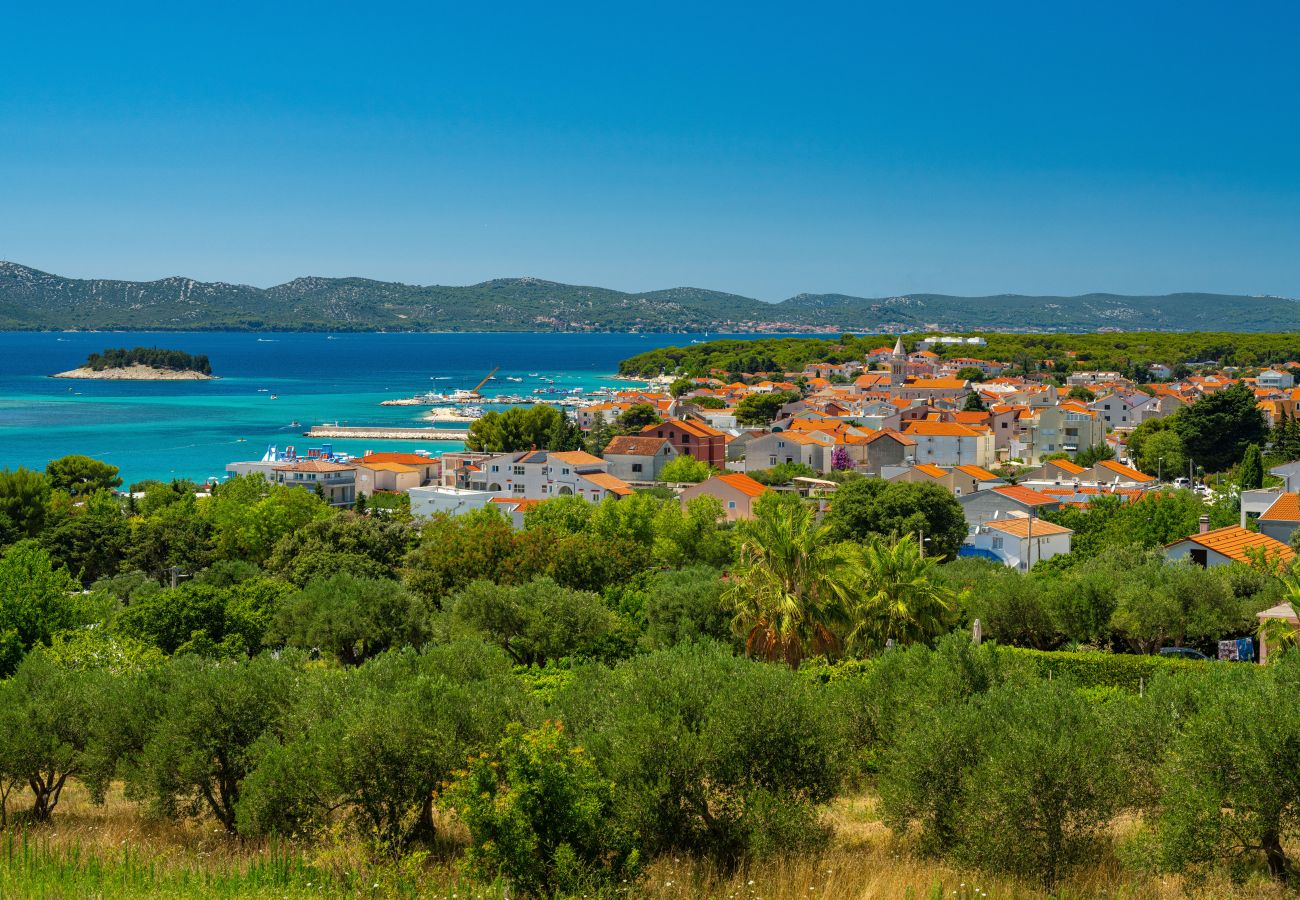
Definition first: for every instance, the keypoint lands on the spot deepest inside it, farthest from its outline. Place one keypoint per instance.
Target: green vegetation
(1130, 353)
(562, 710)
(153, 357)
(36, 300)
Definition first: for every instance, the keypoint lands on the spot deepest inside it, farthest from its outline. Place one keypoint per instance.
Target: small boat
(275, 396)
(295, 424)
(532, 375)
(263, 391)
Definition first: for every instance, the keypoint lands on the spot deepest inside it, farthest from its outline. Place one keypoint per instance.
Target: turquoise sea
(192, 429)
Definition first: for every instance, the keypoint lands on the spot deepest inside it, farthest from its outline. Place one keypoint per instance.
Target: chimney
(1205, 524)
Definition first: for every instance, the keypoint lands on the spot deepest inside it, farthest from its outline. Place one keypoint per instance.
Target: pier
(382, 433)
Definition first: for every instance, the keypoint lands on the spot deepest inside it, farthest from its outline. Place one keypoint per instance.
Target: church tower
(898, 365)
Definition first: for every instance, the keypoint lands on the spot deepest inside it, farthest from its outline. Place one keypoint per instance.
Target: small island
(143, 364)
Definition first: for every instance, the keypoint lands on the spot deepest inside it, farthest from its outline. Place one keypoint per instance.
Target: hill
(35, 300)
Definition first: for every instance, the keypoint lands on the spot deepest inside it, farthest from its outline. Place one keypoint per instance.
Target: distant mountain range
(34, 300)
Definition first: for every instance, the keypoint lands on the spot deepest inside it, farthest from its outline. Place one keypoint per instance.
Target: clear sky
(864, 148)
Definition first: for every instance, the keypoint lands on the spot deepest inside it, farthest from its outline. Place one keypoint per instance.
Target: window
(997, 543)
(518, 488)
(771, 460)
(686, 438)
(519, 470)
(731, 504)
(636, 467)
(564, 471)
(495, 468)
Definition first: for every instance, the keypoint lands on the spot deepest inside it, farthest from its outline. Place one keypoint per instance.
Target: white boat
(472, 412)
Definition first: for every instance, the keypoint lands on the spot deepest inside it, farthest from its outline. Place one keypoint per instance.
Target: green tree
(206, 740)
(870, 507)
(1231, 794)
(535, 622)
(792, 586)
(681, 386)
(518, 428)
(565, 435)
(708, 753)
(761, 409)
(1161, 453)
(24, 495)
(249, 516)
(970, 373)
(37, 601)
(352, 618)
(536, 810)
(685, 470)
(1090, 456)
(81, 475)
(356, 545)
(1217, 428)
(91, 542)
(685, 605)
(901, 597)
(974, 402)
(1251, 476)
(636, 417)
(599, 434)
(1079, 392)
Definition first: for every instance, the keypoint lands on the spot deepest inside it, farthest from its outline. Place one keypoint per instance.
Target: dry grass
(865, 861)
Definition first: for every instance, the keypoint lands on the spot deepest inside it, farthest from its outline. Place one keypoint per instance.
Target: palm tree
(1282, 635)
(900, 597)
(792, 587)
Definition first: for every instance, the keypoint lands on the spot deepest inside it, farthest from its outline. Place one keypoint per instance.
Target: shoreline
(133, 373)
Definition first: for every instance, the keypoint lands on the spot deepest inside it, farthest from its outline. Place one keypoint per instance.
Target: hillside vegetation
(1122, 352)
(34, 300)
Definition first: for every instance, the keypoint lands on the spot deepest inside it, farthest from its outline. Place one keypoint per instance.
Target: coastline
(134, 373)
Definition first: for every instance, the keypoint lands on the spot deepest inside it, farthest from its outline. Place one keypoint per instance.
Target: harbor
(385, 433)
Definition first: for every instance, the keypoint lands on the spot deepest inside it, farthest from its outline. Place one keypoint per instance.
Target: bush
(708, 753)
(536, 810)
(351, 618)
(1091, 669)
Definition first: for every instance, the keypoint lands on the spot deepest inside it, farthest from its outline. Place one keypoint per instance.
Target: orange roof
(1286, 508)
(936, 384)
(743, 483)
(1021, 527)
(1024, 495)
(1124, 471)
(610, 483)
(929, 469)
(1233, 541)
(635, 445)
(698, 429)
(405, 459)
(384, 466)
(576, 458)
(1066, 466)
(518, 503)
(877, 435)
(939, 429)
(977, 472)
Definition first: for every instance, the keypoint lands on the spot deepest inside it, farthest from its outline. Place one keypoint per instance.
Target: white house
(951, 444)
(1230, 544)
(1020, 541)
(430, 500)
(1271, 378)
(768, 450)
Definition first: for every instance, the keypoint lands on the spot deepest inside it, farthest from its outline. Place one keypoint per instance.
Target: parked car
(1182, 482)
(1182, 653)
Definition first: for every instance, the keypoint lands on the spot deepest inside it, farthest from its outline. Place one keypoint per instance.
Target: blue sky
(869, 149)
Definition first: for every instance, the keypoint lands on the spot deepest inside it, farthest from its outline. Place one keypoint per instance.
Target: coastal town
(1008, 448)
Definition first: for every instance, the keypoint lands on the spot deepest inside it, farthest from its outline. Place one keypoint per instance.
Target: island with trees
(143, 364)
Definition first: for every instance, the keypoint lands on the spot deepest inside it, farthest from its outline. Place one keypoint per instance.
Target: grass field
(112, 851)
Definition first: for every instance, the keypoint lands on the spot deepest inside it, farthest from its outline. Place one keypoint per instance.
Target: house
(778, 448)
(1271, 378)
(874, 452)
(396, 471)
(1223, 546)
(1065, 428)
(1115, 474)
(951, 444)
(633, 457)
(543, 474)
(692, 438)
(957, 480)
(335, 481)
(1057, 471)
(514, 510)
(1001, 502)
(431, 500)
(736, 491)
(1020, 541)
(1282, 517)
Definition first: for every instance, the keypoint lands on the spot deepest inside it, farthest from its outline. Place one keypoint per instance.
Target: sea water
(191, 429)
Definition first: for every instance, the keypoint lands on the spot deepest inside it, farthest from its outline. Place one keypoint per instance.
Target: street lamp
(1160, 470)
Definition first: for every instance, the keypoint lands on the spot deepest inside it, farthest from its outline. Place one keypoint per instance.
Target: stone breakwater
(134, 373)
(380, 433)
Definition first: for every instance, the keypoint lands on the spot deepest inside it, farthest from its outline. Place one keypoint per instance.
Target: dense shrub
(707, 753)
(1092, 669)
